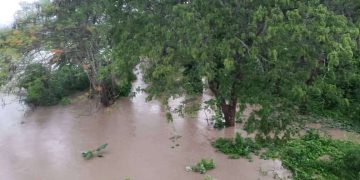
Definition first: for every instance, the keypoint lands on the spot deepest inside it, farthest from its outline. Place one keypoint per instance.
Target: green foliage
(237, 147)
(351, 161)
(218, 120)
(48, 88)
(316, 157)
(309, 157)
(203, 165)
(77, 35)
(91, 153)
(295, 54)
(279, 122)
(103, 146)
(65, 101)
(290, 57)
(39, 94)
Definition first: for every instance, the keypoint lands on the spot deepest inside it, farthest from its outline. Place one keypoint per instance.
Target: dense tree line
(291, 57)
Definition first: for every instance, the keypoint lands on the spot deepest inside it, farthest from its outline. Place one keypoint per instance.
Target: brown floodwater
(334, 133)
(46, 143)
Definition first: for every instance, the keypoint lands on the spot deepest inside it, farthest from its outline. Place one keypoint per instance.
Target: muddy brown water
(46, 144)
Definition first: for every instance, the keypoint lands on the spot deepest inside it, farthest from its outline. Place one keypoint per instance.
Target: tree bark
(229, 111)
(104, 96)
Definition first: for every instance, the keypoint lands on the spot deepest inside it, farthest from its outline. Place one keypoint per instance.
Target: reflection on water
(46, 143)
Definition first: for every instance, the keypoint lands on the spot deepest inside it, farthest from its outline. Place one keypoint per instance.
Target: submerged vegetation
(308, 157)
(315, 157)
(203, 165)
(48, 87)
(237, 147)
(92, 153)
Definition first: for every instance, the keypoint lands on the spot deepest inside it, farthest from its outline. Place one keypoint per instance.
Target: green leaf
(102, 147)
(87, 155)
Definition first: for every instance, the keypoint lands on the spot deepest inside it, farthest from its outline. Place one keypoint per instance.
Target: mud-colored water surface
(46, 144)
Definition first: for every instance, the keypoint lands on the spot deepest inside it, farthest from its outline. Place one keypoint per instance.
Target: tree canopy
(288, 56)
(291, 57)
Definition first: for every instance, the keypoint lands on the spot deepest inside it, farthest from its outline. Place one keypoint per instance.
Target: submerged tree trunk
(228, 108)
(229, 111)
(105, 99)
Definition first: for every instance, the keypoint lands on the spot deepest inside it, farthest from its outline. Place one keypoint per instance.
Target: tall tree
(274, 53)
(76, 32)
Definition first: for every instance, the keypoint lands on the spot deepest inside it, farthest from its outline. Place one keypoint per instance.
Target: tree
(76, 33)
(290, 57)
(276, 53)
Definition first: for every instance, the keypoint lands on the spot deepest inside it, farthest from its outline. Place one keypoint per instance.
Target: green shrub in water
(45, 87)
(65, 101)
(237, 147)
(203, 165)
(91, 153)
(316, 157)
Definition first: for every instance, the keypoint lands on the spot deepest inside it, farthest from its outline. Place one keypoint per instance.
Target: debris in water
(91, 153)
(188, 168)
(176, 137)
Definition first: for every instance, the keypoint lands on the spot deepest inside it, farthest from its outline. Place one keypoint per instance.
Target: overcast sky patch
(8, 9)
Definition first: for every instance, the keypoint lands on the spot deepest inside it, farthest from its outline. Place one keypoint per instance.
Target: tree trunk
(229, 111)
(104, 96)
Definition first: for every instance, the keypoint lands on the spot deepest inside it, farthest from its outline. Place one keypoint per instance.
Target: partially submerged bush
(45, 87)
(237, 147)
(203, 165)
(65, 101)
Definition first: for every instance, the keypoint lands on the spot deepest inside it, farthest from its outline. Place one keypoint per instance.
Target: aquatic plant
(91, 153)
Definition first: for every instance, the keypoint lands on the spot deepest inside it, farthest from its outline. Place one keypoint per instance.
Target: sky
(8, 9)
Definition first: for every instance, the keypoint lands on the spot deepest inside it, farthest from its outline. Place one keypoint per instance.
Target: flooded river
(46, 144)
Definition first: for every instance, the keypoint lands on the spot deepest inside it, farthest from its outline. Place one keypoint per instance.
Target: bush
(311, 157)
(46, 88)
(316, 157)
(237, 147)
(203, 166)
(38, 93)
(351, 161)
(65, 101)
